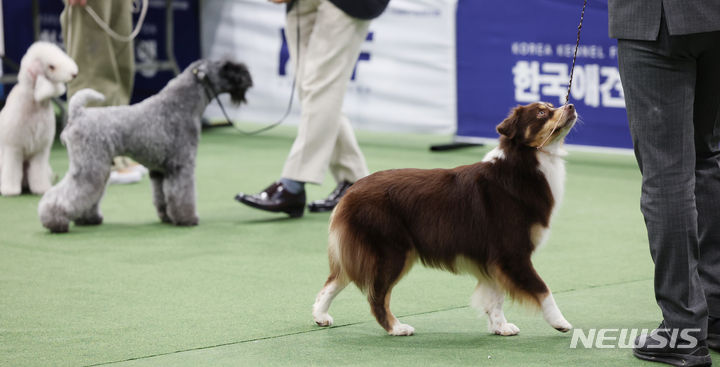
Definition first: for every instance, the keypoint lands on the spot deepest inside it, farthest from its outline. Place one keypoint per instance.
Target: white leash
(105, 27)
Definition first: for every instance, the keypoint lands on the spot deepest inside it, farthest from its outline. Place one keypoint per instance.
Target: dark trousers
(672, 93)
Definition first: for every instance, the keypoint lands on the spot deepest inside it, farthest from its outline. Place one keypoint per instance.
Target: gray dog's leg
(76, 197)
(52, 209)
(157, 179)
(90, 183)
(90, 217)
(179, 191)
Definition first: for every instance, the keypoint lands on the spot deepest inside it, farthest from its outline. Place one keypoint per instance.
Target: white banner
(404, 79)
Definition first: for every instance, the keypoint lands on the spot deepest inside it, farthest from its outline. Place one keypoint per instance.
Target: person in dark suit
(669, 60)
(331, 34)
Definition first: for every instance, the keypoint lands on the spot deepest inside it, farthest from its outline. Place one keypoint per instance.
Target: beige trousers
(330, 42)
(104, 64)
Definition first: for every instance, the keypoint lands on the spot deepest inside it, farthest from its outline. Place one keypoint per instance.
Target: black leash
(577, 44)
(572, 70)
(212, 94)
(208, 86)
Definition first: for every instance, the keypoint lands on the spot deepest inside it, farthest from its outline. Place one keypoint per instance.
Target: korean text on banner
(515, 57)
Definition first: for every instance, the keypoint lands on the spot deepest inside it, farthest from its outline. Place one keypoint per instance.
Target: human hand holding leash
(77, 2)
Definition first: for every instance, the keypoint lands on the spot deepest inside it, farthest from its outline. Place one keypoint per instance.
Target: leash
(577, 44)
(105, 27)
(210, 91)
(212, 94)
(572, 70)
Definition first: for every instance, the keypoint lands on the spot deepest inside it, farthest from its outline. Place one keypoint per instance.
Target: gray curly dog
(160, 132)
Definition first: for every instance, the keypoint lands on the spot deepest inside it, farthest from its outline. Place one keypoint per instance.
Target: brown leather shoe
(275, 198)
(327, 204)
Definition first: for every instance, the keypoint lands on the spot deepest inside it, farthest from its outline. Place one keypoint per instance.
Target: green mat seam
(343, 325)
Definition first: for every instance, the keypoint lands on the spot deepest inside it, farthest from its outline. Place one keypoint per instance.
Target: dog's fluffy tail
(83, 97)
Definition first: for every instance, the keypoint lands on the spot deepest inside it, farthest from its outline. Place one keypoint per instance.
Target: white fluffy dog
(27, 123)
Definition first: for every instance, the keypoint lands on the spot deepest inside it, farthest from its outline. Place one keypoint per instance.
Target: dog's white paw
(10, 191)
(402, 330)
(562, 325)
(323, 319)
(39, 189)
(506, 329)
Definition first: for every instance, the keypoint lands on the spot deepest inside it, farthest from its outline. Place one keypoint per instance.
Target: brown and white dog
(485, 219)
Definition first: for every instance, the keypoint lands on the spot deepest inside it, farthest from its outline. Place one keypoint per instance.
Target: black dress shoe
(713, 342)
(327, 204)
(276, 198)
(713, 338)
(662, 346)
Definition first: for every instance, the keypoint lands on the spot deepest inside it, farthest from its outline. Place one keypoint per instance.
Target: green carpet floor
(237, 289)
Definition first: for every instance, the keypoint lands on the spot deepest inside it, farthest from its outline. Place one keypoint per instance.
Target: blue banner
(514, 52)
(149, 45)
(18, 28)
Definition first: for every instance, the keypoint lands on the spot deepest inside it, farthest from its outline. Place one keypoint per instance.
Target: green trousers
(104, 64)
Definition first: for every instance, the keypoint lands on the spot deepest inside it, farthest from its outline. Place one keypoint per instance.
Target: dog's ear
(45, 89)
(509, 126)
(34, 69)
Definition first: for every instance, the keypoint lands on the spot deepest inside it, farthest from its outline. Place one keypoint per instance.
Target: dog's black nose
(570, 107)
(73, 75)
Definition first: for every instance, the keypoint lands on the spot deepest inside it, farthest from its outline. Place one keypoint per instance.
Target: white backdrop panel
(405, 78)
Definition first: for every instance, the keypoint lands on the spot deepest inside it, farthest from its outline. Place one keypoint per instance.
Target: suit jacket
(640, 19)
(361, 9)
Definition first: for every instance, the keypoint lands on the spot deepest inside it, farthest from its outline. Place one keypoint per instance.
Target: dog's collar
(559, 152)
(200, 74)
